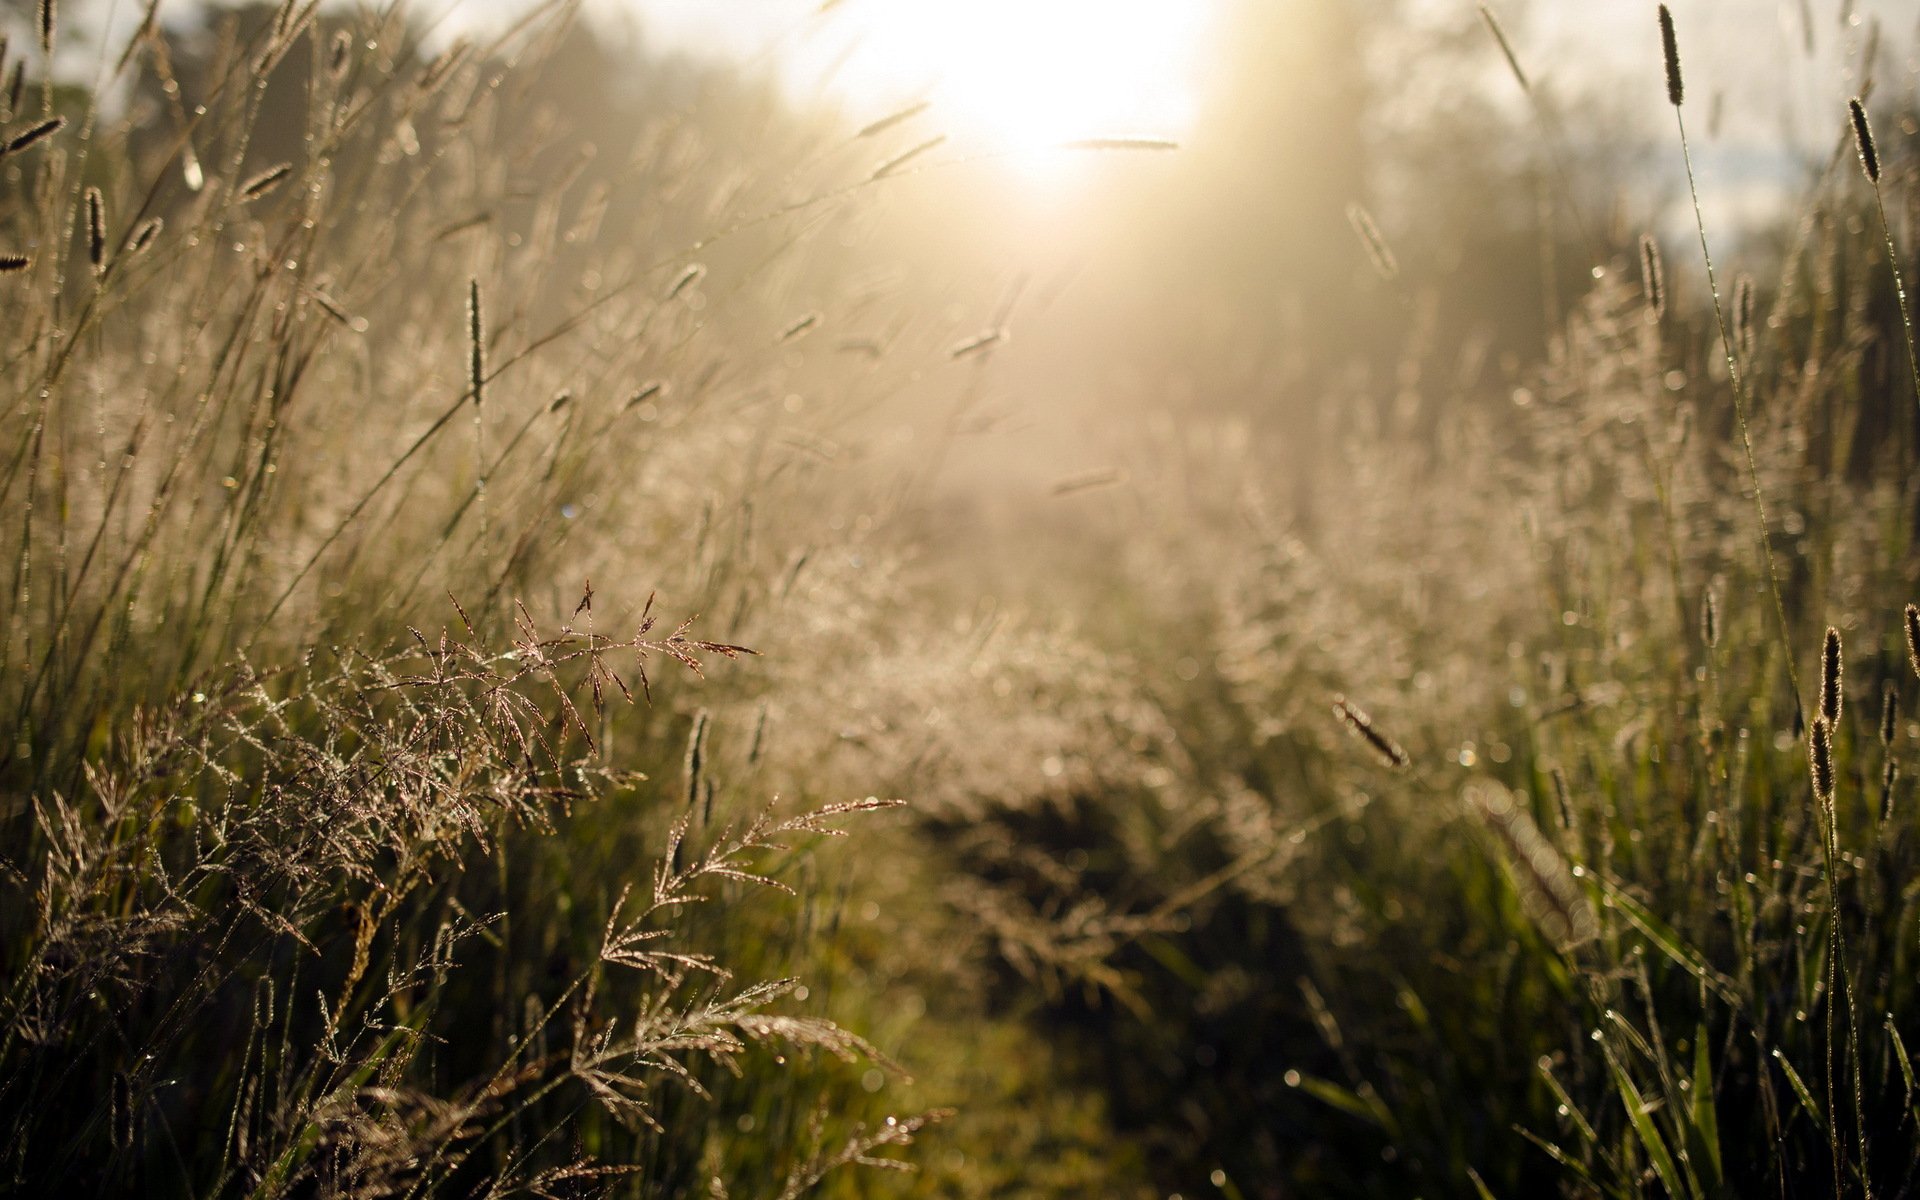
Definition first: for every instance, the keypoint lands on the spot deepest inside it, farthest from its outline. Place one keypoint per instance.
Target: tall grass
(345, 853)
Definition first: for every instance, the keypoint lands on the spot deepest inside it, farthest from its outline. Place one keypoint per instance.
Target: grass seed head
(49, 23)
(339, 54)
(1361, 725)
(1670, 50)
(1377, 248)
(1889, 712)
(34, 134)
(1820, 759)
(1710, 619)
(13, 263)
(1863, 141)
(143, 236)
(1913, 637)
(96, 230)
(1743, 314)
(1831, 678)
(476, 342)
(1653, 277)
(264, 182)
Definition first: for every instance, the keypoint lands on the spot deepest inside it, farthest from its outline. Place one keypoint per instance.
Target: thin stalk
(1740, 407)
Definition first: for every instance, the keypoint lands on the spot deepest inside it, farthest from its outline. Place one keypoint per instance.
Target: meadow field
(582, 619)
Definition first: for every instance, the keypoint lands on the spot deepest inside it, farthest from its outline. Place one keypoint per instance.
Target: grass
(446, 643)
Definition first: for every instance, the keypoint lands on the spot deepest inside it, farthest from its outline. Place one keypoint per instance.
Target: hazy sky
(1142, 61)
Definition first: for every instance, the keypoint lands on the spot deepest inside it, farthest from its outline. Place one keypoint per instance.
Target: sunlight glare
(1025, 75)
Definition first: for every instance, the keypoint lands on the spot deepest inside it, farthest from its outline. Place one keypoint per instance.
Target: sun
(1021, 76)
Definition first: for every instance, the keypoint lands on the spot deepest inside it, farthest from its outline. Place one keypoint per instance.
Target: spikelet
(1547, 887)
(1653, 277)
(696, 756)
(799, 327)
(1362, 726)
(1710, 619)
(476, 344)
(143, 236)
(264, 182)
(1377, 248)
(1820, 760)
(1743, 314)
(1562, 798)
(49, 23)
(1831, 678)
(34, 133)
(1670, 51)
(1889, 712)
(686, 279)
(96, 231)
(339, 54)
(11, 263)
(1913, 637)
(1863, 141)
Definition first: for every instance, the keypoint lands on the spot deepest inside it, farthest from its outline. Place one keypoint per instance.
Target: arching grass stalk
(1675, 94)
(1870, 167)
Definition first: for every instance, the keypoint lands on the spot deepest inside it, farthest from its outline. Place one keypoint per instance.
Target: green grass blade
(1641, 1118)
(1706, 1117)
(1799, 1086)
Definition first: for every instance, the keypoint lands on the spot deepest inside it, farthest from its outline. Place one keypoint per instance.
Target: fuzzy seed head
(264, 182)
(1362, 727)
(1889, 712)
(1913, 637)
(1670, 50)
(1863, 141)
(11, 263)
(33, 134)
(1653, 277)
(1743, 314)
(1831, 678)
(48, 24)
(1377, 248)
(1710, 619)
(143, 236)
(1820, 760)
(476, 343)
(339, 54)
(96, 230)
